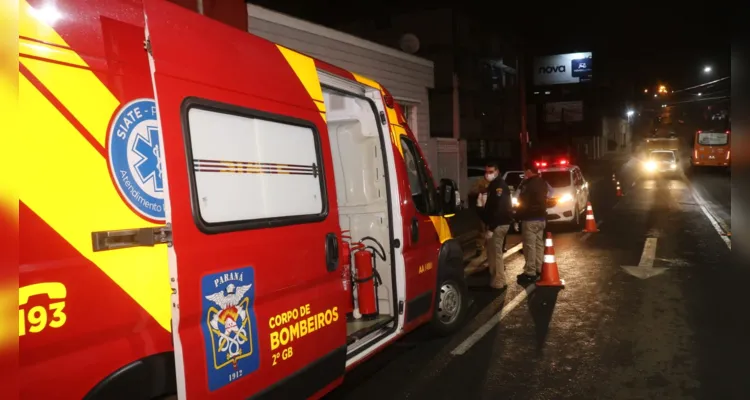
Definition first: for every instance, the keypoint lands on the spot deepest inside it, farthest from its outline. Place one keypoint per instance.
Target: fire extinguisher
(346, 273)
(367, 276)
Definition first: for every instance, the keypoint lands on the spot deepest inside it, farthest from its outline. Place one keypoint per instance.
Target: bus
(711, 149)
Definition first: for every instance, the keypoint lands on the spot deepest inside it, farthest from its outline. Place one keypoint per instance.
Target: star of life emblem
(134, 155)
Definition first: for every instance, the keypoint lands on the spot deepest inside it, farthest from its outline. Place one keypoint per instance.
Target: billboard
(562, 69)
(564, 111)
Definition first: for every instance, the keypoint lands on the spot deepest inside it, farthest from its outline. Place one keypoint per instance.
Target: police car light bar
(544, 163)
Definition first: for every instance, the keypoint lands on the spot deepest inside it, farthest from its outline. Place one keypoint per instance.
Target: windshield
(662, 156)
(513, 178)
(713, 139)
(557, 179)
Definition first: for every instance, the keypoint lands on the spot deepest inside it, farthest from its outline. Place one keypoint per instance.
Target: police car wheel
(451, 303)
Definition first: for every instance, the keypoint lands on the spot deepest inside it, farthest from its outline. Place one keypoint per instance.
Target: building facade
(476, 93)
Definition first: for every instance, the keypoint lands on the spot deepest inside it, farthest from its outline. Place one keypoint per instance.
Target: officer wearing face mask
(497, 216)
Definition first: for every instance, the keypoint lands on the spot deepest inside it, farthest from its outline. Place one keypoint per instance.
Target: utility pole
(524, 135)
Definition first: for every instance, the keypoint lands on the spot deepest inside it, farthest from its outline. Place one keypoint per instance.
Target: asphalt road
(678, 331)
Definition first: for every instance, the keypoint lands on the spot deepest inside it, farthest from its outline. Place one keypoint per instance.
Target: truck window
(422, 187)
(662, 156)
(252, 168)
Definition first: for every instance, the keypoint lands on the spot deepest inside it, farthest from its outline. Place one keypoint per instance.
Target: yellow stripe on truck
(440, 223)
(396, 130)
(30, 25)
(304, 68)
(66, 182)
(78, 88)
(442, 228)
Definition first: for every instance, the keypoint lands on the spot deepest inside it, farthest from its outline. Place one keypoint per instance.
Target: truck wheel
(451, 303)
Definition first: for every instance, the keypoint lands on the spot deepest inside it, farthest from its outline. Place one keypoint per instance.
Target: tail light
(388, 100)
(729, 151)
(563, 162)
(695, 154)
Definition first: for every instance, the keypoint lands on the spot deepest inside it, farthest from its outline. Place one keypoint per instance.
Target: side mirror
(448, 196)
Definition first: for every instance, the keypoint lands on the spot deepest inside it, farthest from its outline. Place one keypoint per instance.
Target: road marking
(476, 264)
(718, 225)
(513, 250)
(645, 268)
(649, 253)
(479, 333)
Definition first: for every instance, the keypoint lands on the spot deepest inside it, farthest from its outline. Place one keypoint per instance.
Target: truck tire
(451, 303)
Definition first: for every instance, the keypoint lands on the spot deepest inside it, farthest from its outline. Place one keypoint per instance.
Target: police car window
(557, 179)
(422, 187)
(577, 177)
(250, 169)
(513, 178)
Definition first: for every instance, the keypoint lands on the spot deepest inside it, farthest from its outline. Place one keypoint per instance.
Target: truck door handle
(414, 230)
(332, 252)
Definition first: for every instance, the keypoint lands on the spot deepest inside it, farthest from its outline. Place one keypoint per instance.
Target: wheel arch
(450, 258)
(147, 378)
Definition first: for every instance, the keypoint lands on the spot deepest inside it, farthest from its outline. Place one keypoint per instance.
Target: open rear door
(251, 203)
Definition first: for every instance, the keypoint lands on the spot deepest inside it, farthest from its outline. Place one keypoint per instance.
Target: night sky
(633, 44)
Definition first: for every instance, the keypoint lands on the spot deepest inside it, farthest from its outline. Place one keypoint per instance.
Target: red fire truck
(209, 214)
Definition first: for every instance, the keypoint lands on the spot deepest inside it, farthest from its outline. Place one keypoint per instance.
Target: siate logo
(551, 69)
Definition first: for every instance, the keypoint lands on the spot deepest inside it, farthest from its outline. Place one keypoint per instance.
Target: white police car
(570, 193)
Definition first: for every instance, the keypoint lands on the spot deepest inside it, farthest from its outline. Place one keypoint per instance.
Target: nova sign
(550, 70)
(562, 69)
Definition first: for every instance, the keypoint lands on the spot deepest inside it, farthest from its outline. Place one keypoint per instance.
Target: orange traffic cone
(590, 221)
(550, 276)
(619, 189)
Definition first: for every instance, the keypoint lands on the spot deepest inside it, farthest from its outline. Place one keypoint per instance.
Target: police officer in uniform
(497, 216)
(532, 212)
